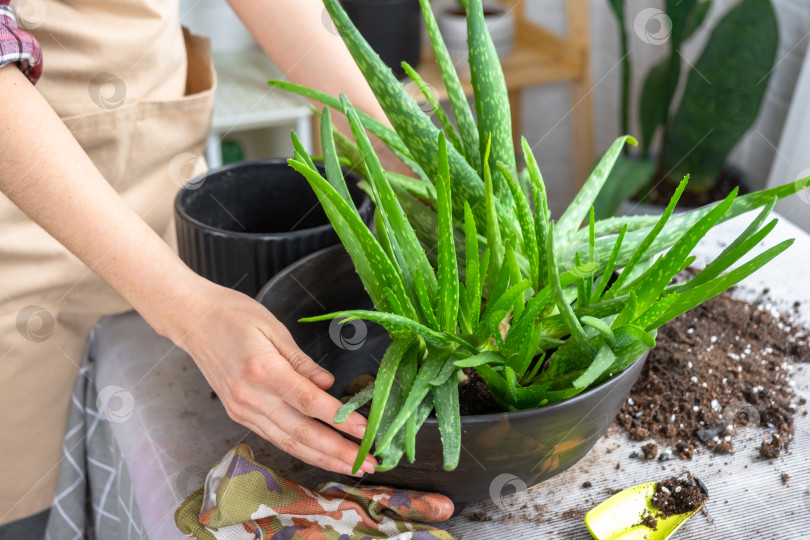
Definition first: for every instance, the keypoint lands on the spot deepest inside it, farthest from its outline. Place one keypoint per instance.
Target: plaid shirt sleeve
(18, 46)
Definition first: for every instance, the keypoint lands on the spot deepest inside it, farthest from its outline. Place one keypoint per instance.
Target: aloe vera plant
(467, 270)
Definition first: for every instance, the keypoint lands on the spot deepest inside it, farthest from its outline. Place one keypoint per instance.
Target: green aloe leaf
(601, 362)
(407, 118)
(436, 107)
(491, 96)
(410, 256)
(577, 333)
(399, 327)
(473, 277)
(541, 213)
(698, 295)
(382, 388)
(430, 368)
(644, 246)
(723, 92)
(393, 454)
(611, 262)
(486, 357)
(445, 399)
(355, 402)
(334, 173)
(447, 304)
(372, 264)
(526, 221)
(455, 93)
(494, 242)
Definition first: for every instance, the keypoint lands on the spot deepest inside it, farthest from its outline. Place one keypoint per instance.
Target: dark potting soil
(715, 370)
(662, 191)
(648, 520)
(474, 397)
(678, 495)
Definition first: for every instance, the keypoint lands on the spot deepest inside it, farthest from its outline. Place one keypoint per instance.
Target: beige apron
(139, 101)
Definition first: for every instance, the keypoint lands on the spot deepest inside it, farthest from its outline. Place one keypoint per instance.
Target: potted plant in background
(720, 102)
(453, 25)
(480, 291)
(393, 28)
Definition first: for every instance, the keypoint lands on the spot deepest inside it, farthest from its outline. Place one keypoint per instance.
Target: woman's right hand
(265, 381)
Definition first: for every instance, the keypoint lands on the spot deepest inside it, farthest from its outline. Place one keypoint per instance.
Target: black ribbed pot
(517, 449)
(393, 28)
(244, 222)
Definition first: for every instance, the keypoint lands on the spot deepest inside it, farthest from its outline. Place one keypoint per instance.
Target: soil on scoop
(648, 520)
(662, 191)
(678, 495)
(714, 371)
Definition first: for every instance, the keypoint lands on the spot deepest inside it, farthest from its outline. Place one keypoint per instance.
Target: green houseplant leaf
(723, 92)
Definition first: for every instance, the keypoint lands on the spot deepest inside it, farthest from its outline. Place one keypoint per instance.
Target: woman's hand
(265, 381)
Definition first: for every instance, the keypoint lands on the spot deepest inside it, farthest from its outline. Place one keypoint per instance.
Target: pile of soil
(661, 191)
(713, 371)
(678, 495)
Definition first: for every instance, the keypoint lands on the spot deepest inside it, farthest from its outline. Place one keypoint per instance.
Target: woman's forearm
(298, 37)
(47, 174)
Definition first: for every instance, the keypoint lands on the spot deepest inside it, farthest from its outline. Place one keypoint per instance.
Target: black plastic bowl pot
(501, 452)
(240, 224)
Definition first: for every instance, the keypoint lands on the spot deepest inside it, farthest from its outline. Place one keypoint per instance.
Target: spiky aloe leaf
(445, 399)
(430, 368)
(399, 327)
(334, 173)
(407, 118)
(410, 255)
(393, 454)
(577, 333)
(372, 264)
(678, 225)
(436, 107)
(491, 96)
(493, 229)
(485, 357)
(473, 278)
(382, 388)
(527, 224)
(601, 362)
(458, 100)
(355, 402)
(447, 304)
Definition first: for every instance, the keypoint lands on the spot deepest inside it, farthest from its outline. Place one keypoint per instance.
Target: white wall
(543, 107)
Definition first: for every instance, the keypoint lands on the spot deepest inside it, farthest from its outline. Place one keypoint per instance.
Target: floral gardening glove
(242, 499)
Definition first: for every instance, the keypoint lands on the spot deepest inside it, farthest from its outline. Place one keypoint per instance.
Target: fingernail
(369, 466)
(323, 377)
(359, 431)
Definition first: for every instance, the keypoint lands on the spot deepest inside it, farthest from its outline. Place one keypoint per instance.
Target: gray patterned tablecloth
(144, 429)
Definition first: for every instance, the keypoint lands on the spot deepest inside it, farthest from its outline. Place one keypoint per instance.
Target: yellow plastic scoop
(620, 517)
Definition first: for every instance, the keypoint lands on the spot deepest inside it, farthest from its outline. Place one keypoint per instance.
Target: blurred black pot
(393, 28)
(517, 449)
(240, 224)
